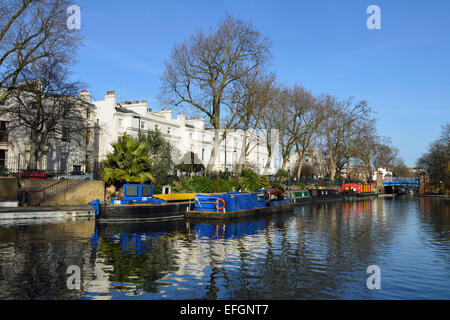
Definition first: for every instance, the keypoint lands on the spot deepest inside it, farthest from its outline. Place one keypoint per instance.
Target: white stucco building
(65, 152)
(110, 119)
(386, 175)
(186, 135)
(313, 164)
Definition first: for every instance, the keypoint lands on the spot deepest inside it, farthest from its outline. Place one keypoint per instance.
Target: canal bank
(20, 213)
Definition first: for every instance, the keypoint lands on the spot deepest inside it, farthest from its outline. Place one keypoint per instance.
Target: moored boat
(358, 190)
(324, 194)
(233, 205)
(298, 195)
(139, 203)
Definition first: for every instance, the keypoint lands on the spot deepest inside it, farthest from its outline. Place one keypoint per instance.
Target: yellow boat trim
(176, 196)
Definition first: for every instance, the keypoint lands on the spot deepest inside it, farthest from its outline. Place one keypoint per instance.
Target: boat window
(147, 191)
(131, 191)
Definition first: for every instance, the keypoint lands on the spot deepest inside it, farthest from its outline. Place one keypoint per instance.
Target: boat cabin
(298, 195)
(238, 201)
(137, 194)
(324, 193)
(228, 202)
(356, 188)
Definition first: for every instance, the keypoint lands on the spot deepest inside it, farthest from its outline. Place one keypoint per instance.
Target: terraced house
(55, 136)
(191, 137)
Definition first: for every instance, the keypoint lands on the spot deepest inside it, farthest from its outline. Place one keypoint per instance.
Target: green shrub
(282, 174)
(182, 186)
(248, 173)
(263, 182)
(221, 185)
(277, 184)
(202, 184)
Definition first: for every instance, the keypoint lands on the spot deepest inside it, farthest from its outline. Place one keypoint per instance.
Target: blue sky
(403, 70)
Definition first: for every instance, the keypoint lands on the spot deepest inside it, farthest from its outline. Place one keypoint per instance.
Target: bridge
(402, 182)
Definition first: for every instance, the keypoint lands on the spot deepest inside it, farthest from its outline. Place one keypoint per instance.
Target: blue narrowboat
(138, 203)
(238, 204)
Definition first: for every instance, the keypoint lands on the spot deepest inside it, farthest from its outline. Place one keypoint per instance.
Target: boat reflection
(229, 231)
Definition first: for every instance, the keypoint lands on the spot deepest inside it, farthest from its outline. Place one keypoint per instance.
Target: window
(3, 131)
(3, 158)
(131, 191)
(142, 125)
(65, 134)
(76, 168)
(156, 127)
(147, 191)
(88, 137)
(168, 130)
(63, 165)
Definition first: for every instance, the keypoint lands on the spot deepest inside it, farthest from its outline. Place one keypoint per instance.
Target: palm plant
(128, 163)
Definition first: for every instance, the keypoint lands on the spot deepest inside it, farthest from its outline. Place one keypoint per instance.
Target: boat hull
(210, 215)
(143, 212)
(366, 194)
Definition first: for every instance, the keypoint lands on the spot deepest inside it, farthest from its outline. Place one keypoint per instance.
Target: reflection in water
(319, 251)
(34, 259)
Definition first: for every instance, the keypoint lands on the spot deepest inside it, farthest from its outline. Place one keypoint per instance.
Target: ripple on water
(320, 252)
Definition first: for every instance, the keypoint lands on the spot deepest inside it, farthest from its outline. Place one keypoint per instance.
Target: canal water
(321, 251)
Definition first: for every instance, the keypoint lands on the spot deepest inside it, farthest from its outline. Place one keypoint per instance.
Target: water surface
(320, 251)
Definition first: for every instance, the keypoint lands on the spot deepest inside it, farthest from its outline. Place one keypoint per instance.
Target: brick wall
(81, 195)
(8, 189)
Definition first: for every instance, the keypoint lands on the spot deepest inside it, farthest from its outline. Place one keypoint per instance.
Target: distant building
(313, 165)
(386, 175)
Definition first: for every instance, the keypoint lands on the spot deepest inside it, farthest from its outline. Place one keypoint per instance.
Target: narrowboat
(139, 203)
(233, 205)
(298, 195)
(358, 190)
(325, 194)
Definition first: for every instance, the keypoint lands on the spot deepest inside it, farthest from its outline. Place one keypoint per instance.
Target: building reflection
(319, 251)
(34, 259)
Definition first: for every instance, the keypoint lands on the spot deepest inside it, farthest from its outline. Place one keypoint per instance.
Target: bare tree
(308, 116)
(277, 118)
(201, 71)
(45, 107)
(30, 31)
(252, 94)
(342, 123)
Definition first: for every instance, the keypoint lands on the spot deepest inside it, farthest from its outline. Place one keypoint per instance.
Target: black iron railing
(60, 187)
